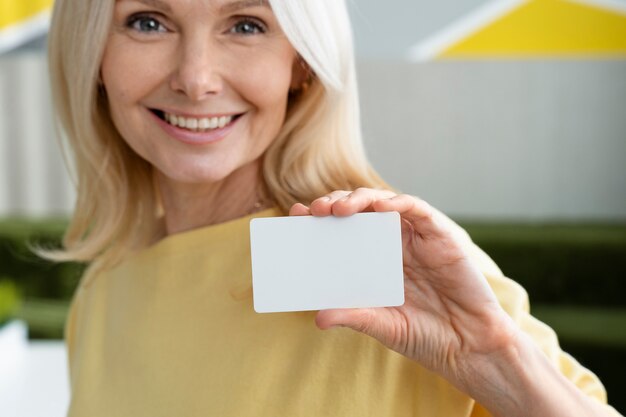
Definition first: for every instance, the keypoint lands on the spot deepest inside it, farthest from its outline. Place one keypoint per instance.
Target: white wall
(33, 181)
(502, 139)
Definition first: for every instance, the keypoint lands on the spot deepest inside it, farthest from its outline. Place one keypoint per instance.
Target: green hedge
(575, 276)
(560, 264)
(37, 281)
(34, 276)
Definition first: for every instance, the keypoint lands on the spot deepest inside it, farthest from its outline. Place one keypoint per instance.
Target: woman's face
(197, 87)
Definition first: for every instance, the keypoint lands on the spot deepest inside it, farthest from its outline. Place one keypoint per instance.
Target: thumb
(363, 320)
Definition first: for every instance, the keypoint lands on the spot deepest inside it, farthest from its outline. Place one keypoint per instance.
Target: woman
(186, 118)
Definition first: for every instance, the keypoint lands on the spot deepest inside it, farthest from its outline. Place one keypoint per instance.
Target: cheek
(121, 88)
(266, 83)
(127, 81)
(129, 71)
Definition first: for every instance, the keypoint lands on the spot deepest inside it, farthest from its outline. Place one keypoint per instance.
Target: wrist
(519, 380)
(495, 376)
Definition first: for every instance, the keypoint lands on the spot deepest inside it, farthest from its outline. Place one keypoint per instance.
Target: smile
(193, 124)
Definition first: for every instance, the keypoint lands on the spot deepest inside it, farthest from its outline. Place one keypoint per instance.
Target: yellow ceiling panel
(547, 27)
(14, 12)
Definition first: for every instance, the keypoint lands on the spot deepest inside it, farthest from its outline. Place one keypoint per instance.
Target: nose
(198, 73)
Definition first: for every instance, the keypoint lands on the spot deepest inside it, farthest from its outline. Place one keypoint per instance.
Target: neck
(191, 206)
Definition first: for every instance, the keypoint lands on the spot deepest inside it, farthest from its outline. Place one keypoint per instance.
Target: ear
(300, 73)
(100, 84)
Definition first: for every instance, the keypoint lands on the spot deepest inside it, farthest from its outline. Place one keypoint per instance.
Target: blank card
(312, 263)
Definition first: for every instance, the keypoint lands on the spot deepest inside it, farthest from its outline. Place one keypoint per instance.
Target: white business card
(304, 263)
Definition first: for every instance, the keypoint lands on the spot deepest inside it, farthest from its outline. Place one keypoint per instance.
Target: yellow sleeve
(514, 300)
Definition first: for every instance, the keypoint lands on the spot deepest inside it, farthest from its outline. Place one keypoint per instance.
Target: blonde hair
(318, 150)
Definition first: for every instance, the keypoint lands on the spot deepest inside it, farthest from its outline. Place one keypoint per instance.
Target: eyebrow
(157, 4)
(227, 8)
(240, 4)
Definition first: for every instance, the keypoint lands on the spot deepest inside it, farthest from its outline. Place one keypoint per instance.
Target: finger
(421, 215)
(322, 206)
(359, 200)
(299, 209)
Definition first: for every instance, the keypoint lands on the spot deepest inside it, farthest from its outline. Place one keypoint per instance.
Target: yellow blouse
(172, 332)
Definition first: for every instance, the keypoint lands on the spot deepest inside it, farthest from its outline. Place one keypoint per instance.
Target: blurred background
(508, 115)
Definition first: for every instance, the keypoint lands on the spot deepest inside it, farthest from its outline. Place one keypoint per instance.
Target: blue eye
(146, 24)
(248, 27)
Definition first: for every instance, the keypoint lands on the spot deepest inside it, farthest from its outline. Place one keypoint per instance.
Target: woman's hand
(450, 312)
(451, 321)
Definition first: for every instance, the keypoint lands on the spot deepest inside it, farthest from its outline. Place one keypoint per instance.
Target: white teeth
(204, 123)
(194, 124)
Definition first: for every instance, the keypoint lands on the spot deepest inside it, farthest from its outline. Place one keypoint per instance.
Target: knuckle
(361, 325)
(427, 207)
(406, 197)
(339, 192)
(417, 200)
(336, 195)
(364, 322)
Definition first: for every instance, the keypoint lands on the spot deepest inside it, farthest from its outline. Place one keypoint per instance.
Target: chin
(190, 173)
(205, 177)
(206, 170)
